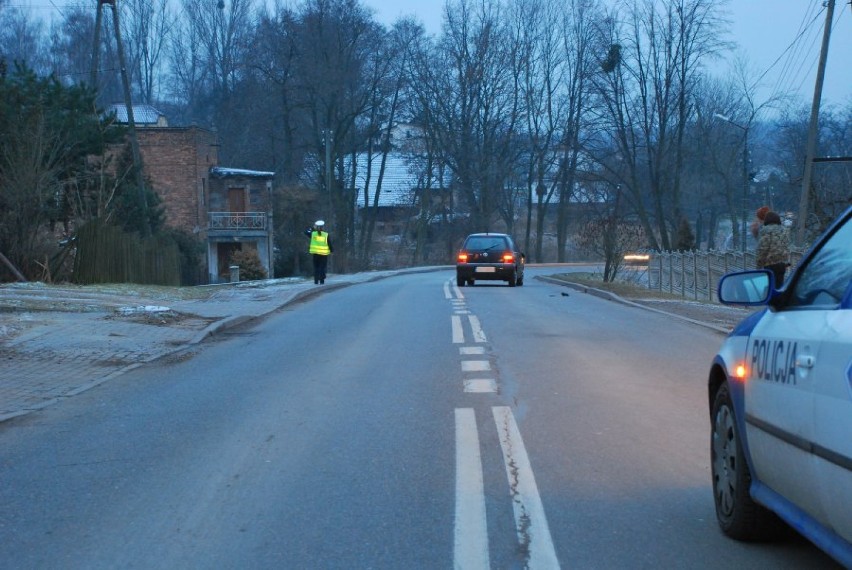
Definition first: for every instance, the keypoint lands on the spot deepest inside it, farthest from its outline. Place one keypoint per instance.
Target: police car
(780, 398)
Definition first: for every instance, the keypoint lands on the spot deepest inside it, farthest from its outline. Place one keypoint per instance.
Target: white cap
(319, 223)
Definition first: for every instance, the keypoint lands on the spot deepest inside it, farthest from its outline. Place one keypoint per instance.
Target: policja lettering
(774, 360)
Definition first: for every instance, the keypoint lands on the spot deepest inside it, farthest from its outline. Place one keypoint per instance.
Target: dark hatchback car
(491, 257)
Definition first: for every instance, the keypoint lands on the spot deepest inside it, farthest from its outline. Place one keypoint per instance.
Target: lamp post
(744, 129)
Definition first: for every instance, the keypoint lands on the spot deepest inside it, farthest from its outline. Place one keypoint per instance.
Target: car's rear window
(485, 243)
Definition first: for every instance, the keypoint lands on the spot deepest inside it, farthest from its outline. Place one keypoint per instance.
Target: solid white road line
(457, 291)
(470, 548)
(447, 290)
(478, 333)
(458, 332)
(530, 521)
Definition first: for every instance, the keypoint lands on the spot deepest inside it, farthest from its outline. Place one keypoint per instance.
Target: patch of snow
(142, 309)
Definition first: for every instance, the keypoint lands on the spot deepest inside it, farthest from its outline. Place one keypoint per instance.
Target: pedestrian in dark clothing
(773, 247)
(320, 248)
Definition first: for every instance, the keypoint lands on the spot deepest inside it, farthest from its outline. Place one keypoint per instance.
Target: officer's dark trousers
(778, 269)
(320, 265)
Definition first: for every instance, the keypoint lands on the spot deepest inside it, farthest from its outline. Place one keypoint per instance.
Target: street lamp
(745, 174)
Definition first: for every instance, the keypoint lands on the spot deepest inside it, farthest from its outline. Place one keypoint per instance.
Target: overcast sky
(764, 30)
(780, 38)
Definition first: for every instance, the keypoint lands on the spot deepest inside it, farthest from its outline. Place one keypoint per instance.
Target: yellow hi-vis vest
(319, 243)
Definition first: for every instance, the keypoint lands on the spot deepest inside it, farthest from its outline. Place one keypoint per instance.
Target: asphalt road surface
(406, 423)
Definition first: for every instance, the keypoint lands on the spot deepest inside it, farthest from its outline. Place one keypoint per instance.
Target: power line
(795, 46)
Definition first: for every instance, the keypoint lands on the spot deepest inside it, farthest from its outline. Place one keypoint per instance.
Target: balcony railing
(236, 220)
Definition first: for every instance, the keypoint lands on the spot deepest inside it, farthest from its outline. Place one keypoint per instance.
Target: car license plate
(485, 270)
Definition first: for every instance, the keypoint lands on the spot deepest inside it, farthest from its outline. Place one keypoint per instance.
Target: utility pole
(329, 137)
(814, 127)
(128, 103)
(327, 134)
(744, 129)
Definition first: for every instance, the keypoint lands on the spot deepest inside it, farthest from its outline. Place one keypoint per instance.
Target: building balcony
(236, 221)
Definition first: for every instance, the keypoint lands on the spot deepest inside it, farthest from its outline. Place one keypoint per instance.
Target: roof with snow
(403, 176)
(222, 172)
(143, 115)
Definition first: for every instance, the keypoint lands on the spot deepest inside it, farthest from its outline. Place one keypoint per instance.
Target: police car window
(827, 276)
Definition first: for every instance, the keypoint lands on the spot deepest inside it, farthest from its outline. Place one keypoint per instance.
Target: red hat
(761, 212)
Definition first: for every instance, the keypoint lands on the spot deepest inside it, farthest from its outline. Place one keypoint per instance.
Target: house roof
(222, 172)
(142, 114)
(402, 177)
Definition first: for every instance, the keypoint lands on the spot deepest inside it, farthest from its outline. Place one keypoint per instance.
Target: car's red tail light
(462, 257)
(508, 258)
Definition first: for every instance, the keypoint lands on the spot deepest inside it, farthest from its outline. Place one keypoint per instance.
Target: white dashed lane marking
(475, 366)
(458, 331)
(480, 386)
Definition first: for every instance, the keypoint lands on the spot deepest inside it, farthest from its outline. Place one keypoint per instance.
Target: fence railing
(695, 274)
(236, 220)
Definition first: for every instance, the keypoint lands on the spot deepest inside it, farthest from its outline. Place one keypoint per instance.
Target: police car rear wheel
(738, 515)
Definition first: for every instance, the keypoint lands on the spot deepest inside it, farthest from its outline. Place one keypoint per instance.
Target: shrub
(250, 266)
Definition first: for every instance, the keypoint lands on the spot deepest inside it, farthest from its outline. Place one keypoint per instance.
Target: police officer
(320, 248)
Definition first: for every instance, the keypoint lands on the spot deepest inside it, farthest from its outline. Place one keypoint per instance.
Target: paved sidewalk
(77, 339)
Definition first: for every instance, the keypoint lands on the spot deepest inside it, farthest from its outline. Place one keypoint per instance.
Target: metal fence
(695, 274)
(236, 220)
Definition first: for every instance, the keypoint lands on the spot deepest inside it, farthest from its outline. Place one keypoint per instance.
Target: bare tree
(339, 67)
(831, 188)
(71, 51)
(273, 61)
(581, 20)
(147, 26)
(473, 105)
(653, 65)
(209, 56)
(188, 71)
(23, 39)
(540, 64)
(389, 90)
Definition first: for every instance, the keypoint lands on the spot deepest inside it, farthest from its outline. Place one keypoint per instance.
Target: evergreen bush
(250, 266)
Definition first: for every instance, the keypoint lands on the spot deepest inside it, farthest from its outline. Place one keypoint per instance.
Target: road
(405, 423)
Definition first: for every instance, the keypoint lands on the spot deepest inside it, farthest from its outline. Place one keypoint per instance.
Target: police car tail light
(462, 257)
(508, 258)
(740, 372)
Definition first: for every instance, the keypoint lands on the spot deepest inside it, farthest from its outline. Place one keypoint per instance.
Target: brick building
(178, 161)
(229, 209)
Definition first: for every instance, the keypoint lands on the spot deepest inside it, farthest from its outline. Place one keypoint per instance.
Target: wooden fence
(106, 254)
